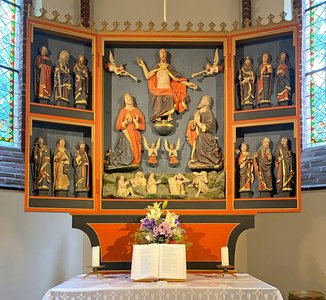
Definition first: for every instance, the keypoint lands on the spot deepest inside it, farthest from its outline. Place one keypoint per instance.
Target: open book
(159, 261)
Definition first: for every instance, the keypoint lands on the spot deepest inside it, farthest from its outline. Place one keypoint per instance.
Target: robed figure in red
(43, 71)
(130, 123)
(167, 87)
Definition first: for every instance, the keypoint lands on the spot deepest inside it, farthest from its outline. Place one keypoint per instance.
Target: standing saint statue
(81, 82)
(42, 167)
(62, 85)
(284, 165)
(247, 80)
(246, 169)
(263, 166)
(265, 80)
(201, 135)
(61, 168)
(42, 75)
(81, 165)
(168, 88)
(283, 83)
(130, 123)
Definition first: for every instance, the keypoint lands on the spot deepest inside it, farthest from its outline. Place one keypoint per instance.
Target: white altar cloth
(197, 287)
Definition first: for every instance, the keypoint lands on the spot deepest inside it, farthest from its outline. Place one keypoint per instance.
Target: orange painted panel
(206, 239)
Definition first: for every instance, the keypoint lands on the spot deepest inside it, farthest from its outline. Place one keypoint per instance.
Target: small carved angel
(200, 182)
(173, 152)
(210, 69)
(152, 151)
(119, 70)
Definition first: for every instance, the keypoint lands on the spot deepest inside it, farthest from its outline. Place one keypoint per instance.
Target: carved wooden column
(85, 12)
(246, 12)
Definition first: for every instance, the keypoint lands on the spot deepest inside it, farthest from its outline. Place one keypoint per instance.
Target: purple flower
(163, 229)
(148, 224)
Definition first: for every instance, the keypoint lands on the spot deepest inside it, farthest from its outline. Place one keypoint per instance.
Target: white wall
(37, 250)
(289, 250)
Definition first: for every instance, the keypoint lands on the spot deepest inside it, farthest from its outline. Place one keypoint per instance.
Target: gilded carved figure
(201, 135)
(81, 73)
(283, 83)
(81, 165)
(245, 162)
(265, 80)
(62, 85)
(42, 75)
(285, 166)
(42, 167)
(263, 166)
(247, 80)
(61, 167)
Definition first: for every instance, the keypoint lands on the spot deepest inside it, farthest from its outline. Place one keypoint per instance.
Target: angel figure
(210, 69)
(173, 152)
(119, 70)
(152, 151)
(199, 182)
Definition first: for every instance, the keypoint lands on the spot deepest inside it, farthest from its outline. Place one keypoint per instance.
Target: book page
(172, 262)
(144, 262)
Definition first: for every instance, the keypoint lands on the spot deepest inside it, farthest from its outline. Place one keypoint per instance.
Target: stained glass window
(9, 74)
(314, 62)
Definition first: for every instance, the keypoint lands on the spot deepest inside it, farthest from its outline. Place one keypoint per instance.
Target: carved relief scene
(164, 119)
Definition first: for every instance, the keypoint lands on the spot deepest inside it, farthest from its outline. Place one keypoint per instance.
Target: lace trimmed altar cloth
(197, 287)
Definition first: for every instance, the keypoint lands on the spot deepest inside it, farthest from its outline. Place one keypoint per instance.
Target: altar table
(197, 287)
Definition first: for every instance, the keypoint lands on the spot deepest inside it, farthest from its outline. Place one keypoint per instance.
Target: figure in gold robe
(61, 167)
(81, 165)
(265, 82)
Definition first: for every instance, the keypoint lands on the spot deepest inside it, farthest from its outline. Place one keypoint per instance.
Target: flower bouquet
(159, 250)
(160, 226)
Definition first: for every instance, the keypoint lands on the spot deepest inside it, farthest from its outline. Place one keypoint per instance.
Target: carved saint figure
(200, 182)
(152, 151)
(41, 157)
(124, 189)
(152, 184)
(130, 122)
(43, 70)
(283, 88)
(62, 85)
(247, 80)
(177, 184)
(61, 167)
(211, 69)
(168, 88)
(119, 70)
(139, 180)
(172, 150)
(201, 135)
(284, 165)
(265, 82)
(246, 168)
(263, 165)
(81, 165)
(81, 80)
